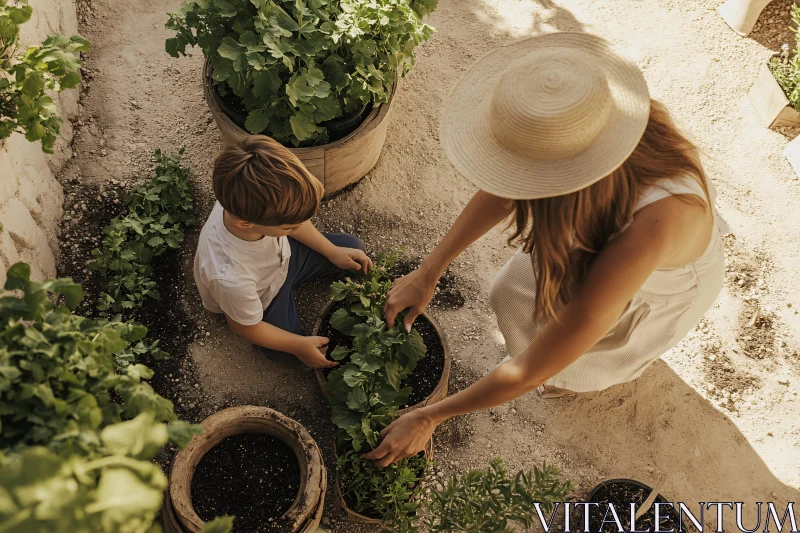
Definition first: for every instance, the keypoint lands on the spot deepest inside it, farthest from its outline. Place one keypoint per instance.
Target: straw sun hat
(545, 116)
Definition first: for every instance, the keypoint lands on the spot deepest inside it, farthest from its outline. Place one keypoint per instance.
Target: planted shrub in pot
(364, 298)
(375, 380)
(251, 462)
(287, 68)
(776, 90)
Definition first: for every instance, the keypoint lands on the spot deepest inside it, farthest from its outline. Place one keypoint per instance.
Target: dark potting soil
(621, 494)
(252, 476)
(425, 377)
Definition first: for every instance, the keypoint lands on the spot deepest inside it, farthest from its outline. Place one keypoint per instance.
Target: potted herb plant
(380, 367)
(427, 378)
(26, 78)
(252, 463)
(776, 90)
(316, 75)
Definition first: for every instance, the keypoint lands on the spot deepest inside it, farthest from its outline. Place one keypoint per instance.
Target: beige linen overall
(667, 306)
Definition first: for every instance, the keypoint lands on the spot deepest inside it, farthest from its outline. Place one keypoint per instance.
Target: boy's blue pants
(305, 265)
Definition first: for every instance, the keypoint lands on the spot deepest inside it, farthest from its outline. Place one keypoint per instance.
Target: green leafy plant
(366, 391)
(158, 213)
(786, 67)
(76, 435)
(489, 501)
(59, 383)
(295, 64)
(25, 79)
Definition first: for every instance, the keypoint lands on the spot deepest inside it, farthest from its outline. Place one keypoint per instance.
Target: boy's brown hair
(260, 181)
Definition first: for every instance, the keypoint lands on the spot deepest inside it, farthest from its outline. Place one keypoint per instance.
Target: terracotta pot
(770, 101)
(438, 394)
(305, 513)
(336, 164)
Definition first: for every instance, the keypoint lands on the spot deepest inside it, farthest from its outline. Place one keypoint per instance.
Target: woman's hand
(412, 292)
(403, 438)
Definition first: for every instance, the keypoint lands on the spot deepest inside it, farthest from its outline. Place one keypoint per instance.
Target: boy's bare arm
(310, 350)
(347, 258)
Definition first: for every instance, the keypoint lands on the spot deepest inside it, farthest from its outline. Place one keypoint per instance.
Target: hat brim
(469, 144)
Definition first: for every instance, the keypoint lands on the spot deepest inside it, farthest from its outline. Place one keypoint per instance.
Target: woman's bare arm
(413, 292)
(618, 272)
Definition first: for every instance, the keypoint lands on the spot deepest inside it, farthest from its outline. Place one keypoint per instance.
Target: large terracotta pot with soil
(337, 164)
(429, 380)
(250, 462)
(623, 492)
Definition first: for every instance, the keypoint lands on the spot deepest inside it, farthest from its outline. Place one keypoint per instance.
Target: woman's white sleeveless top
(667, 306)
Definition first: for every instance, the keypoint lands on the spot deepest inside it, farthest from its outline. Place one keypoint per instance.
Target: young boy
(258, 244)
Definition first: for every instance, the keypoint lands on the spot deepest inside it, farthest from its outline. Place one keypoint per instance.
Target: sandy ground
(720, 415)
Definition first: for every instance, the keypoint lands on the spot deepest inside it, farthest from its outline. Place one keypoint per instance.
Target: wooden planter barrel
(360, 517)
(770, 101)
(305, 513)
(337, 164)
(438, 394)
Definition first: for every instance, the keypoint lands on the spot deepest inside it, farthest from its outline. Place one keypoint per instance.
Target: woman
(620, 253)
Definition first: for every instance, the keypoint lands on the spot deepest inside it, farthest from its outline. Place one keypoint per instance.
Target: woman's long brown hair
(565, 233)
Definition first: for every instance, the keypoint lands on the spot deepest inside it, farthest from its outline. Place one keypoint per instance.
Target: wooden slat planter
(438, 394)
(771, 102)
(360, 517)
(337, 164)
(305, 513)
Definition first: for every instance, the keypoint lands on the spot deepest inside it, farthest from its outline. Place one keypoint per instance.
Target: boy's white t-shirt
(237, 277)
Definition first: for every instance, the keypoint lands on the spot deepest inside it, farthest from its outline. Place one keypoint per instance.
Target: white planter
(741, 15)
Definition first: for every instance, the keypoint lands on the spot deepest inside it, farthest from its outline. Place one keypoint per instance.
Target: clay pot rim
(659, 498)
(223, 424)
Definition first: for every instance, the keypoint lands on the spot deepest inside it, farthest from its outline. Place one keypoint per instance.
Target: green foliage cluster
(490, 501)
(158, 213)
(76, 435)
(25, 79)
(295, 64)
(786, 67)
(366, 392)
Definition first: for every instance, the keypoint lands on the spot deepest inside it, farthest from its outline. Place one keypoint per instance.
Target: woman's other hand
(403, 438)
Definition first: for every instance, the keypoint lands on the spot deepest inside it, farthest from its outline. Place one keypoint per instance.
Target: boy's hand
(311, 351)
(351, 259)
